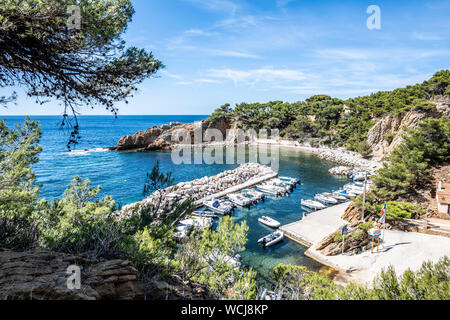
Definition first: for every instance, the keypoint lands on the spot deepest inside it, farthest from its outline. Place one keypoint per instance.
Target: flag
(344, 229)
(383, 214)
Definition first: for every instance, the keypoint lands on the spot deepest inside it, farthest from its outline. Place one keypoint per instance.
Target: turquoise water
(122, 175)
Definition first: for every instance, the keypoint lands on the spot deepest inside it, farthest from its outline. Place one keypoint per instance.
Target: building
(443, 197)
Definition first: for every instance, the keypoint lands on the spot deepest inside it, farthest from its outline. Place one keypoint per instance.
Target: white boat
(338, 197)
(282, 184)
(196, 222)
(324, 199)
(240, 200)
(268, 190)
(281, 189)
(204, 214)
(313, 204)
(272, 239)
(292, 180)
(361, 183)
(354, 189)
(268, 221)
(270, 295)
(253, 194)
(346, 193)
(222, 207)
(360, 176)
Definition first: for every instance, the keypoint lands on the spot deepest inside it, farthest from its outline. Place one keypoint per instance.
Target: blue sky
(220, 51)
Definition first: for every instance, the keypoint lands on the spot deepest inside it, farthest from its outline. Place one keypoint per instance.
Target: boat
(338, 197)
(313, 204)
(324, 199)
(272, 239)
(268, 190)
(204, 214)
(354, 189)
(253, 194)
(268, 221)
(270, 295)
(292, 180)
(239, 200)
(361, 183)
(346, 193)
(282, 190)
(360, 176)
(282, 184)
(197, 222)
(222, 207)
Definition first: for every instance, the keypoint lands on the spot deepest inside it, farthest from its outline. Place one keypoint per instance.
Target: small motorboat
(268, 221)
(346, 193)
(282, 190)
(222, 207)
(240, 200)
(253, 194)
(311, 204)
(270, 295)
(282, 184)
(269, 190)
(324, 199)
(197, 222)
(272, 239)
(291, 180)
(338, 197)
(204, 214)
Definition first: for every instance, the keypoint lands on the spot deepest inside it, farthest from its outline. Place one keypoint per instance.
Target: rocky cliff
(392, 125)
(42, 275)
(166, 136)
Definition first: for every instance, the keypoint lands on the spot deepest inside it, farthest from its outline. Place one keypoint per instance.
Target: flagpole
(384, 223)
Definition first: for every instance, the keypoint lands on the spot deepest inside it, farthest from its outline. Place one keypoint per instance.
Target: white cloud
(425, 36)
(257, 75)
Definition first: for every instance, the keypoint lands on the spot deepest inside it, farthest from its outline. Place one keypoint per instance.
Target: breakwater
(201, 189)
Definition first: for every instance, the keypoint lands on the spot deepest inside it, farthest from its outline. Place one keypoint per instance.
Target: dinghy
(219, 206)
(268, 221)
(239, 200)
(272, 239)
(311, 204)
(292, 180)
(204, 214)
(253, 194)
(338, 197)
(324, 199)
(268, 190)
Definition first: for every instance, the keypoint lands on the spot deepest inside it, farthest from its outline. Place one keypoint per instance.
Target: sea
(122, 176)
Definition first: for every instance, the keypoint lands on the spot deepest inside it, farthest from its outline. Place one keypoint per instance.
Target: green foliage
(19, 149)
(390, 137)
(323, 120)
(365, 149)
(430, 282)
(365, 226)
(358, 235)
(75, 223)
(410, 162)
(223, 111)
(207, 258)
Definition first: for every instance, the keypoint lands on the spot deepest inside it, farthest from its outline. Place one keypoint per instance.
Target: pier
(316, 225)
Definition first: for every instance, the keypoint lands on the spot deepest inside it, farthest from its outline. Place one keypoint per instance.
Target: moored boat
(311, 204)
(292, 180)
(324, 199)
(269, 190)
(253, 194)
(222, 207)
(272, 239)
(268, 221)
(338, 197)
(239, 200)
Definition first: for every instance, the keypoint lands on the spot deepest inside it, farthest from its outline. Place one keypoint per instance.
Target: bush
(366, 226)
(390, 137)
(358, 235)
(365, 149)
(337, 237)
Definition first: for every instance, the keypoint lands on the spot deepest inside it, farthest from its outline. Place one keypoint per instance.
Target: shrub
(358, 235)
(366, 226)
(364, 149)
(390, 137)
